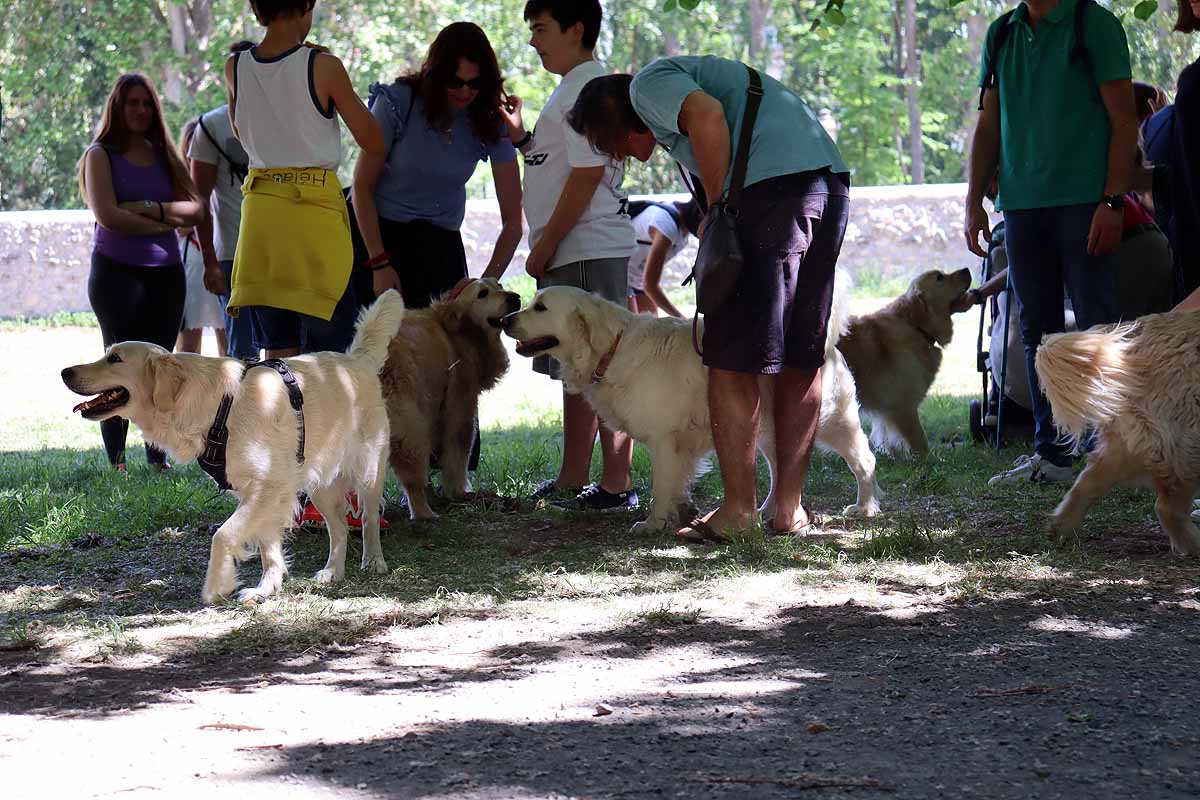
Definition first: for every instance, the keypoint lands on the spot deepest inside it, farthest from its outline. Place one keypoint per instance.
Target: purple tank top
(133, 182)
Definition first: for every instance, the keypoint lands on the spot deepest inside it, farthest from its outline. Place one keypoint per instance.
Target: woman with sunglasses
(438, 124)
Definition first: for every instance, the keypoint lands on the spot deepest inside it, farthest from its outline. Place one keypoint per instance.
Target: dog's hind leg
(1174, 508)
(459, 434)
(331, 502)
(372, 493)
(410, 461)
(843, 434)
(1110, 464)
(766, 446)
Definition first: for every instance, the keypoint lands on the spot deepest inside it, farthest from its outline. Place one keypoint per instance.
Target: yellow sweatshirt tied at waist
(293, 249)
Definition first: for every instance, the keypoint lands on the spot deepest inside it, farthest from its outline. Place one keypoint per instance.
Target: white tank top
(279, 118)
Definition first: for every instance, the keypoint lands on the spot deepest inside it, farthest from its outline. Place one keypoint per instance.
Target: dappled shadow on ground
(1083, 694)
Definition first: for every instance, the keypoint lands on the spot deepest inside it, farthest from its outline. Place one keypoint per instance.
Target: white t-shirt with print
(227, 192)
(660, 219)
(604, 229)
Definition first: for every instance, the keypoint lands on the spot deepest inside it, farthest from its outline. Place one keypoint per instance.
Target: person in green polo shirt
(1058, 120)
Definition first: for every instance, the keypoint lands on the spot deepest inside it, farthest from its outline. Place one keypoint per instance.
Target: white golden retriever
(174, 400)
(655, 388)
(1138, 387)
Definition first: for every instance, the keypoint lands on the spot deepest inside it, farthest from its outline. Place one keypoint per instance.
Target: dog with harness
(265, 431)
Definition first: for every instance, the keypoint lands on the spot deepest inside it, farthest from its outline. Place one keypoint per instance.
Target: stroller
(1002, 413)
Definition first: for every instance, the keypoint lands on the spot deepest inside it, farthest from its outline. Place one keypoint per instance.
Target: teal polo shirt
(788, 137)
(1054, 130)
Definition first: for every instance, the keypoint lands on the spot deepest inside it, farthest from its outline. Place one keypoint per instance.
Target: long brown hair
(460, 40)
(113, 136)
(1185, 20)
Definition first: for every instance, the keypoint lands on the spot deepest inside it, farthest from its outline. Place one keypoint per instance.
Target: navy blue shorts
(283, 329)
(790, 229)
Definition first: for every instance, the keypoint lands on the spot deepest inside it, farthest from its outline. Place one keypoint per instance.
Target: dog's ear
(165, 375)
(454, 314)
(934, 321)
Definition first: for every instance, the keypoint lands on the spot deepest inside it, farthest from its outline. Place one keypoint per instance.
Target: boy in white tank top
(294, 255)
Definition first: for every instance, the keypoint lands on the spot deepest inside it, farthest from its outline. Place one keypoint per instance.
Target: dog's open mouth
(103, 403)
(531, 347)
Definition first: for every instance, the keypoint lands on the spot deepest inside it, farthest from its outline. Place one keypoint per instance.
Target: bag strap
(236, 170)
(754, 95)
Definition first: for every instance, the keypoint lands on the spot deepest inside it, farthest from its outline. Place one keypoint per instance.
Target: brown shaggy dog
(895, 354)
(1137, 386)
(442, 359)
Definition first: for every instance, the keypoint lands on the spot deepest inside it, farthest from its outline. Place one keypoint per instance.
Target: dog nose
(506, 321)
(68, 373)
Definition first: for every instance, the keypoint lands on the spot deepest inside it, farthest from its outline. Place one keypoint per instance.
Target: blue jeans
(239, 329)
(1047, 248)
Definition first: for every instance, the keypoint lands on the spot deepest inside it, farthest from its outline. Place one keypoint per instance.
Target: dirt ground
(769, 685)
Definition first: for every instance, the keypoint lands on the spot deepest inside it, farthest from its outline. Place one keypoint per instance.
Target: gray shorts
(605, 277)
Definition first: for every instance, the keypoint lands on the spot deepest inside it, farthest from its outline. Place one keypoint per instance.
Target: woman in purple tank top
(137, 186)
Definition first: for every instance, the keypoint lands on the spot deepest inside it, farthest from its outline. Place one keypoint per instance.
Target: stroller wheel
(975, 421)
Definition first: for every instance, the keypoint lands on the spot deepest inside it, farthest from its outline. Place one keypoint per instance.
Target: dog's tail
(1087, 377)
(839, 313)
(377, 325)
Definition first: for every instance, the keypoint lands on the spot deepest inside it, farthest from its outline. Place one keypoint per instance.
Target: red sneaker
(354, 513)
(309, 517)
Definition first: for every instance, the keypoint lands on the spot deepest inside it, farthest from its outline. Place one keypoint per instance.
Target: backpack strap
(236, 170)
(1079, 50)
(1003, 29)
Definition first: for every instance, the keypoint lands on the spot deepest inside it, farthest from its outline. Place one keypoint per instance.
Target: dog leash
(212, 460)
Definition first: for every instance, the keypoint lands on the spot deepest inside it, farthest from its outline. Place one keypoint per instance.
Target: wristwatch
(1114, 201)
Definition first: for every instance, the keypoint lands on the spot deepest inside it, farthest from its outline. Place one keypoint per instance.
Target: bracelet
(382, 265)
(384, 258)
(162, 217)
(526, 139)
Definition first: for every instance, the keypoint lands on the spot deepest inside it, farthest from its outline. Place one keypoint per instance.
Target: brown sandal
(700, 532)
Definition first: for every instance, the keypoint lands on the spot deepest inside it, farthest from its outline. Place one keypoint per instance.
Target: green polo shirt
(1054, 130)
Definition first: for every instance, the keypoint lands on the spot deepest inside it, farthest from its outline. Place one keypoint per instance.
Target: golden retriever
(174, 400)
(655, 388)
(441, 361)
(895, 354)
(1138, 387)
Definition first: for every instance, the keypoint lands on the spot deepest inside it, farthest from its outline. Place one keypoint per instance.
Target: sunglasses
(455, 82)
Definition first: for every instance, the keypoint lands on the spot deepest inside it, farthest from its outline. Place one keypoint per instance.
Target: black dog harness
(212, 460)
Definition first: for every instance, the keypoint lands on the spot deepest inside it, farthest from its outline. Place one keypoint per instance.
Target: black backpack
(1078, 53)
(635, 207)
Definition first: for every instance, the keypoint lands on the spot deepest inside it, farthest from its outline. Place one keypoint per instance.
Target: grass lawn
(87, 555)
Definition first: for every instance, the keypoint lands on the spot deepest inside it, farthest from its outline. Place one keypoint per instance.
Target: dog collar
(605, 360)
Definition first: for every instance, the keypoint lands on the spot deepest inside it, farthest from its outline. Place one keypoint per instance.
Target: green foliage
(59, 58)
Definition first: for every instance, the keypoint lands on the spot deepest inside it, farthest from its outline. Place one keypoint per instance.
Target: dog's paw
(648, 526)
(375, 566)
(862, 512)
(252, 595)
(217, 591)
(327, 576)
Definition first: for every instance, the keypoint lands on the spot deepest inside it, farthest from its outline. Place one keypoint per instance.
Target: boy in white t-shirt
(579, 234)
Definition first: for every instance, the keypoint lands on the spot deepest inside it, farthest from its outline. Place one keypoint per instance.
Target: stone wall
(894, 231)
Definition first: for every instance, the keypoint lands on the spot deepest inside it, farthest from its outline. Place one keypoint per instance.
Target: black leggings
(133, 303)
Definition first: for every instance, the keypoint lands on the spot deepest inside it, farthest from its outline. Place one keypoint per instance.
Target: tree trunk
(760, 12)
(189, 24)
(912, 85)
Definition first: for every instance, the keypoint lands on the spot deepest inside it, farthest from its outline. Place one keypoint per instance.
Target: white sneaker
(1033, 469)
